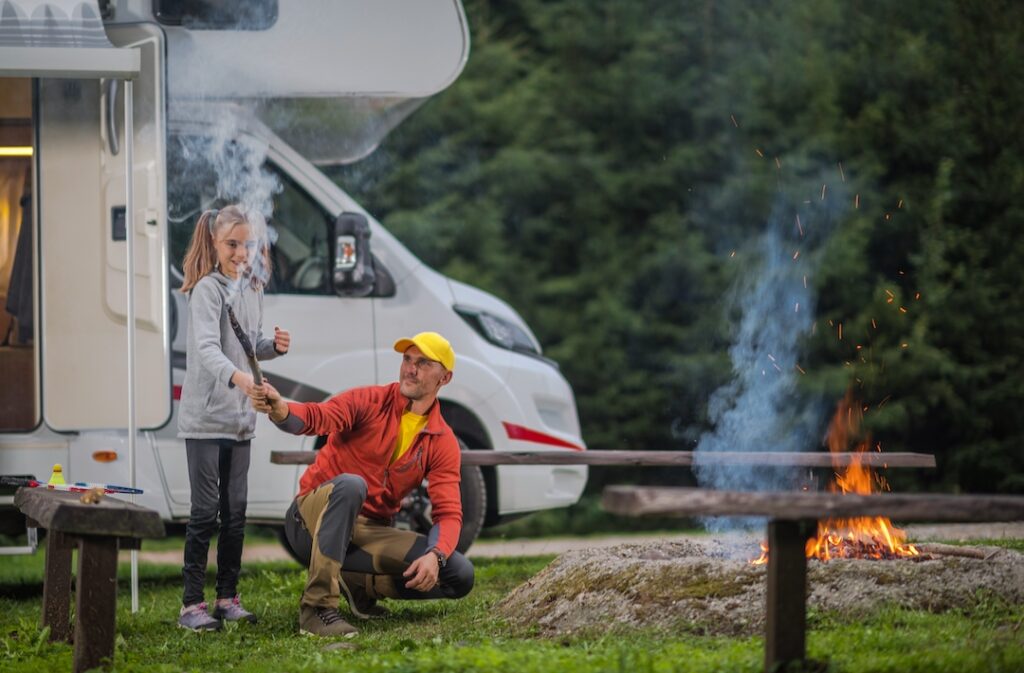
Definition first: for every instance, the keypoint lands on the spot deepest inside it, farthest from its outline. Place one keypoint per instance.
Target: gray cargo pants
(325, 523)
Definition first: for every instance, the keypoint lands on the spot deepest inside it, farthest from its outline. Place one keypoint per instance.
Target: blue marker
(108, 487)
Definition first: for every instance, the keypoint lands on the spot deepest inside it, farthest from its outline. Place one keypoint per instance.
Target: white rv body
(499, 399)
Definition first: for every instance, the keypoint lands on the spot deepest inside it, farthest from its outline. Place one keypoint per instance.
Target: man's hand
(266, 400)
(422, 573)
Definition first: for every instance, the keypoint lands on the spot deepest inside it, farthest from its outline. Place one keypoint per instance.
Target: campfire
(862, 537)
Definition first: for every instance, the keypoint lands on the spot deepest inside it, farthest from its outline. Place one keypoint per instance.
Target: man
(382, 441)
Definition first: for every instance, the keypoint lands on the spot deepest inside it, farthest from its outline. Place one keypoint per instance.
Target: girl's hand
(282, 339)
(245, 383)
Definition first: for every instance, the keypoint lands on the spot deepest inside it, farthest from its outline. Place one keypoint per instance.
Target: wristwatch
(442, 560)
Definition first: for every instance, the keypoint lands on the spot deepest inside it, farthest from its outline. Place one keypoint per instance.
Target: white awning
(59, 38)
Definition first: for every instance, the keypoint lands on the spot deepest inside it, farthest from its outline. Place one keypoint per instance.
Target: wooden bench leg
(95, 603)
(786, 613)
(57, 587)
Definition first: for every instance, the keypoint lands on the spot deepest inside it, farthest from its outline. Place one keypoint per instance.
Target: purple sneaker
(195, 618)
(231, 610)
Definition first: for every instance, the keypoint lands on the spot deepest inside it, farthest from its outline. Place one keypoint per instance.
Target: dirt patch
(708, 587)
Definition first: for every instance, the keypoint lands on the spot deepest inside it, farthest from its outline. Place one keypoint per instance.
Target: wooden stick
(954, 550)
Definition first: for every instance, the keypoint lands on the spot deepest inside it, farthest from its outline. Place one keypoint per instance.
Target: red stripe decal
(176, 392)
(528, 435)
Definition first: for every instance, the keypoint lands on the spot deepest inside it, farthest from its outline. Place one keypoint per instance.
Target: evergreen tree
(605, 167)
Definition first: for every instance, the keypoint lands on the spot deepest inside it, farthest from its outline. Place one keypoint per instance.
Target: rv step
(32, 537)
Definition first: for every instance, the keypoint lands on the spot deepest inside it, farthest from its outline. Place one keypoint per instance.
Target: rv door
(83, 245)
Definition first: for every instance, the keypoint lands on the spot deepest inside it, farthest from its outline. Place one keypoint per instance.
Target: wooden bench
(792, 520)
(661, 458)
(97, 531)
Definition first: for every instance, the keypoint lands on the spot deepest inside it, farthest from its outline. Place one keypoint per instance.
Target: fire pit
(792, 521)
(705, 585)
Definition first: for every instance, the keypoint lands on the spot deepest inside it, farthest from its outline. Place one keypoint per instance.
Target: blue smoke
(762, 408)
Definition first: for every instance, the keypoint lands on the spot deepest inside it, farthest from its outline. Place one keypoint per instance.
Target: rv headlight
(501, 332)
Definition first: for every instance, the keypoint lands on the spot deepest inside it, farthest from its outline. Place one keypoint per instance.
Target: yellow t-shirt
(411, 426)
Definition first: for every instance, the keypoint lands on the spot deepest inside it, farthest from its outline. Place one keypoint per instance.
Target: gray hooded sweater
(211, 406)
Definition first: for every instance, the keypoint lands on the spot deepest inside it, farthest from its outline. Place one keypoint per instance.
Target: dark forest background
(608, 168)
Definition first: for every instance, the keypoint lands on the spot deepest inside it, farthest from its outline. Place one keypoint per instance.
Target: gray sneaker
(231, 610)
(324, 622)
(359, 600)
(195, 618)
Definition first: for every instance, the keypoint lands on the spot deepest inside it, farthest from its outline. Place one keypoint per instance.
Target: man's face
(420, 377)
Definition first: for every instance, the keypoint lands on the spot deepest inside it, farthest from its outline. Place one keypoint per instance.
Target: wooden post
(57, 587)
(95, 603)
(786, 611)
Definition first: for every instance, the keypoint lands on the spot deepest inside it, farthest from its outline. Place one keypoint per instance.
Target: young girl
(223, 266)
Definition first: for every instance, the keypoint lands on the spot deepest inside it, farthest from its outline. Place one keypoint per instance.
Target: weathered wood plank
(667, 501)
(57, 588)
(64, 511)
(95, 603)
(662, 458)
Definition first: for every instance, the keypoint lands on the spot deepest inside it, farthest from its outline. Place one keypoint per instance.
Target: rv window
(217, 14)
(298, 227)
(300, 251)
(210, 172)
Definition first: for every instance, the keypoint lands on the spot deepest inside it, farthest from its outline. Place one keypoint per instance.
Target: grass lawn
(987, 635)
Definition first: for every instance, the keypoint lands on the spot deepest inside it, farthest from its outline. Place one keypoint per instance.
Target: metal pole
(129, 229)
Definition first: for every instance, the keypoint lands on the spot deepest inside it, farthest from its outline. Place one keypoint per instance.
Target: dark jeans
(218, 474)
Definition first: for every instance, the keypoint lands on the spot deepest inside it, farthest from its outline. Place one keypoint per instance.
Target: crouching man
(382, 441)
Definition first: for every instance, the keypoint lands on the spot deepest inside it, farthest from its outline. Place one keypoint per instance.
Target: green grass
(466, 635)
(1016, 545)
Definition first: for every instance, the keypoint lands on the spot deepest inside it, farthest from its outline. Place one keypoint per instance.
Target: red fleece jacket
(362, 426)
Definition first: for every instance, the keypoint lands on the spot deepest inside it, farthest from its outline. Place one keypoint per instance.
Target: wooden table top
(64, 511)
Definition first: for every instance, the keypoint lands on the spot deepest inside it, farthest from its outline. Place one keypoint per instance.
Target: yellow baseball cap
(433, 345)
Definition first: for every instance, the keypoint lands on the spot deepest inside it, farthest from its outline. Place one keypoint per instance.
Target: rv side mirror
(353, 267)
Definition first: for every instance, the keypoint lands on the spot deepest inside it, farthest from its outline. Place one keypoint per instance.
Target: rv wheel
(474, 506)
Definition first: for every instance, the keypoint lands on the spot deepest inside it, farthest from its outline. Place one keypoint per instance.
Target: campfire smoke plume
(224, 166)
(761, 409)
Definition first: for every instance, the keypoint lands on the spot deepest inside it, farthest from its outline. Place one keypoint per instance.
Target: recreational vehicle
(211, 103)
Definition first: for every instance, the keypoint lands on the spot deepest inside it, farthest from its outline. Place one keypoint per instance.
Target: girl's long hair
(201, 257)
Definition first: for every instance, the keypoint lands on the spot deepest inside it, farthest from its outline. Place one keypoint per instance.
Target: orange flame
(861, 537)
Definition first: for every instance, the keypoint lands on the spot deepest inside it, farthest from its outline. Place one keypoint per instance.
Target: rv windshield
(203, 174)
